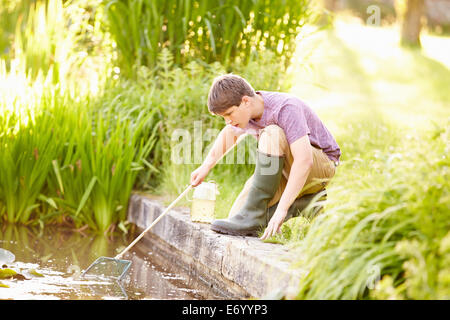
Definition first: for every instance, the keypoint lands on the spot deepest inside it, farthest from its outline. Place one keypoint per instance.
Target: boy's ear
(245, 99)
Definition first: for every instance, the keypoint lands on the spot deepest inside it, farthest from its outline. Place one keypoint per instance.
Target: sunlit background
(91, 91)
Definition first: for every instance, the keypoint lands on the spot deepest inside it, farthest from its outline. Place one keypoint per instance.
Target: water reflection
(59, 256)
(110, 289)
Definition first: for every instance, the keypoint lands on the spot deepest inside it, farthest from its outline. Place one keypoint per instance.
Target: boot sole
(247, 233)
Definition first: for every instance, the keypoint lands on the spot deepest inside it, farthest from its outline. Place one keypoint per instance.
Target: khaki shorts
(322, 171)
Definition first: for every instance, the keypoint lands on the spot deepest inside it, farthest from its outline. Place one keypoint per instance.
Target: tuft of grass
(211, 31)
(27, 149)
(65, 156)
(98, 168)
(365, 235)
(384, 232)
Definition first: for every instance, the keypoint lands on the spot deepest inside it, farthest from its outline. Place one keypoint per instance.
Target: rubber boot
(252, 217)
(299, 205)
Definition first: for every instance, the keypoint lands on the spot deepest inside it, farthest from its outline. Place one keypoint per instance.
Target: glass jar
(203, 202)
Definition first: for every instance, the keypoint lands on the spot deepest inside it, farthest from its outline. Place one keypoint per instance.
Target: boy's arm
(224, 141)
(303, 161)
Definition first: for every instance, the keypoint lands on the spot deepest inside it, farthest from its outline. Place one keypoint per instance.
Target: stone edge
(259, 269)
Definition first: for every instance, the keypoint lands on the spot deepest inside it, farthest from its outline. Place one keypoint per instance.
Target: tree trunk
(330, 5)
(411, 22)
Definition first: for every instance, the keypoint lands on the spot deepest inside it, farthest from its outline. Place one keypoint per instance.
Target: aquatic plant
(94, 175)
(59, 156)
(207, 30)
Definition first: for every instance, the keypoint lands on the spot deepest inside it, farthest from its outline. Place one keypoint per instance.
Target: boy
(296, 155)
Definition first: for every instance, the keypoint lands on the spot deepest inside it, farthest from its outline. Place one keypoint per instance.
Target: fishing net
(106, 267)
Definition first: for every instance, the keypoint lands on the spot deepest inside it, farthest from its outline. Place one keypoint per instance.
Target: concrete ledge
(243, 266)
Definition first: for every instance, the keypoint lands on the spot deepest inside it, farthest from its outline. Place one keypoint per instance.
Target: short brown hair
(227, 91)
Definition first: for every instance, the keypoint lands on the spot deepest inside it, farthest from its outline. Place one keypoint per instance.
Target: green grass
(65, 156)
(211, 31)
(185, 90)
(384, 233)
(99, 165)
(389, 204)
(73, 179)
(26, 150)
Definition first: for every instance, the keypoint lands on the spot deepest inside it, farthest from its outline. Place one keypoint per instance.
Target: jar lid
(205, 191)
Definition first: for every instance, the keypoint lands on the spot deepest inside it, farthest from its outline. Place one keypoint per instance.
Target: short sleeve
(236, 130)
(293, 122)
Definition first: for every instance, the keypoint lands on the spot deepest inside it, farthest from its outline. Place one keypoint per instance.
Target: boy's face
(238, 116)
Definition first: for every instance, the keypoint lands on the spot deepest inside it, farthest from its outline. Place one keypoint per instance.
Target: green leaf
(86, 195)
(150, 166)
(7, 273)
(50, 201)
(35, 273)
(211, 35)
(58, 175)
(123, 227)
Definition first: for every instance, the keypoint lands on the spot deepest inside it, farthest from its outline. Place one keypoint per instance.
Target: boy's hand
(274, 225)
(198, 175)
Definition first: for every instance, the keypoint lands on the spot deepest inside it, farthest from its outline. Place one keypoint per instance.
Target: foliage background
(87, 110)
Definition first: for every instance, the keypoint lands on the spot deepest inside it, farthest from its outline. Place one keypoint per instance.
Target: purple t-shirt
(296, 119)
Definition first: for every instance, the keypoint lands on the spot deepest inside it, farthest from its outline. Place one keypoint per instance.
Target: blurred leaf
(86, 194)
(35, 273)
(7, 273)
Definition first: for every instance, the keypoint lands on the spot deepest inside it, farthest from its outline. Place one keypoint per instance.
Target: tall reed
(26, 149)
(93, 177)
(42, 41)
(63, 156)
(10, 13)
(61, 38)
(208, 30)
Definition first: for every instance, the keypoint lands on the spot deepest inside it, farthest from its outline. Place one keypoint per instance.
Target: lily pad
(7, 273)
(6, 257)
(35, 273)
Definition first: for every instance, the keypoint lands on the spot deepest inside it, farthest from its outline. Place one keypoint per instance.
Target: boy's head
(226, 95)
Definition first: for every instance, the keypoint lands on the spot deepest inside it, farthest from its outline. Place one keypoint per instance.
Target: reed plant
(94, 175)
(63, 156)
(384, 231)
(27, 149)
(42, 41)
(210, 31)
(61, 38)
(10, 13)
(26, 146)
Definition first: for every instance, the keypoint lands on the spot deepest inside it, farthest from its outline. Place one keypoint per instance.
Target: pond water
(51, 261)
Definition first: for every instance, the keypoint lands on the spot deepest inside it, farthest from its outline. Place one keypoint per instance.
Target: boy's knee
(272, 140)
